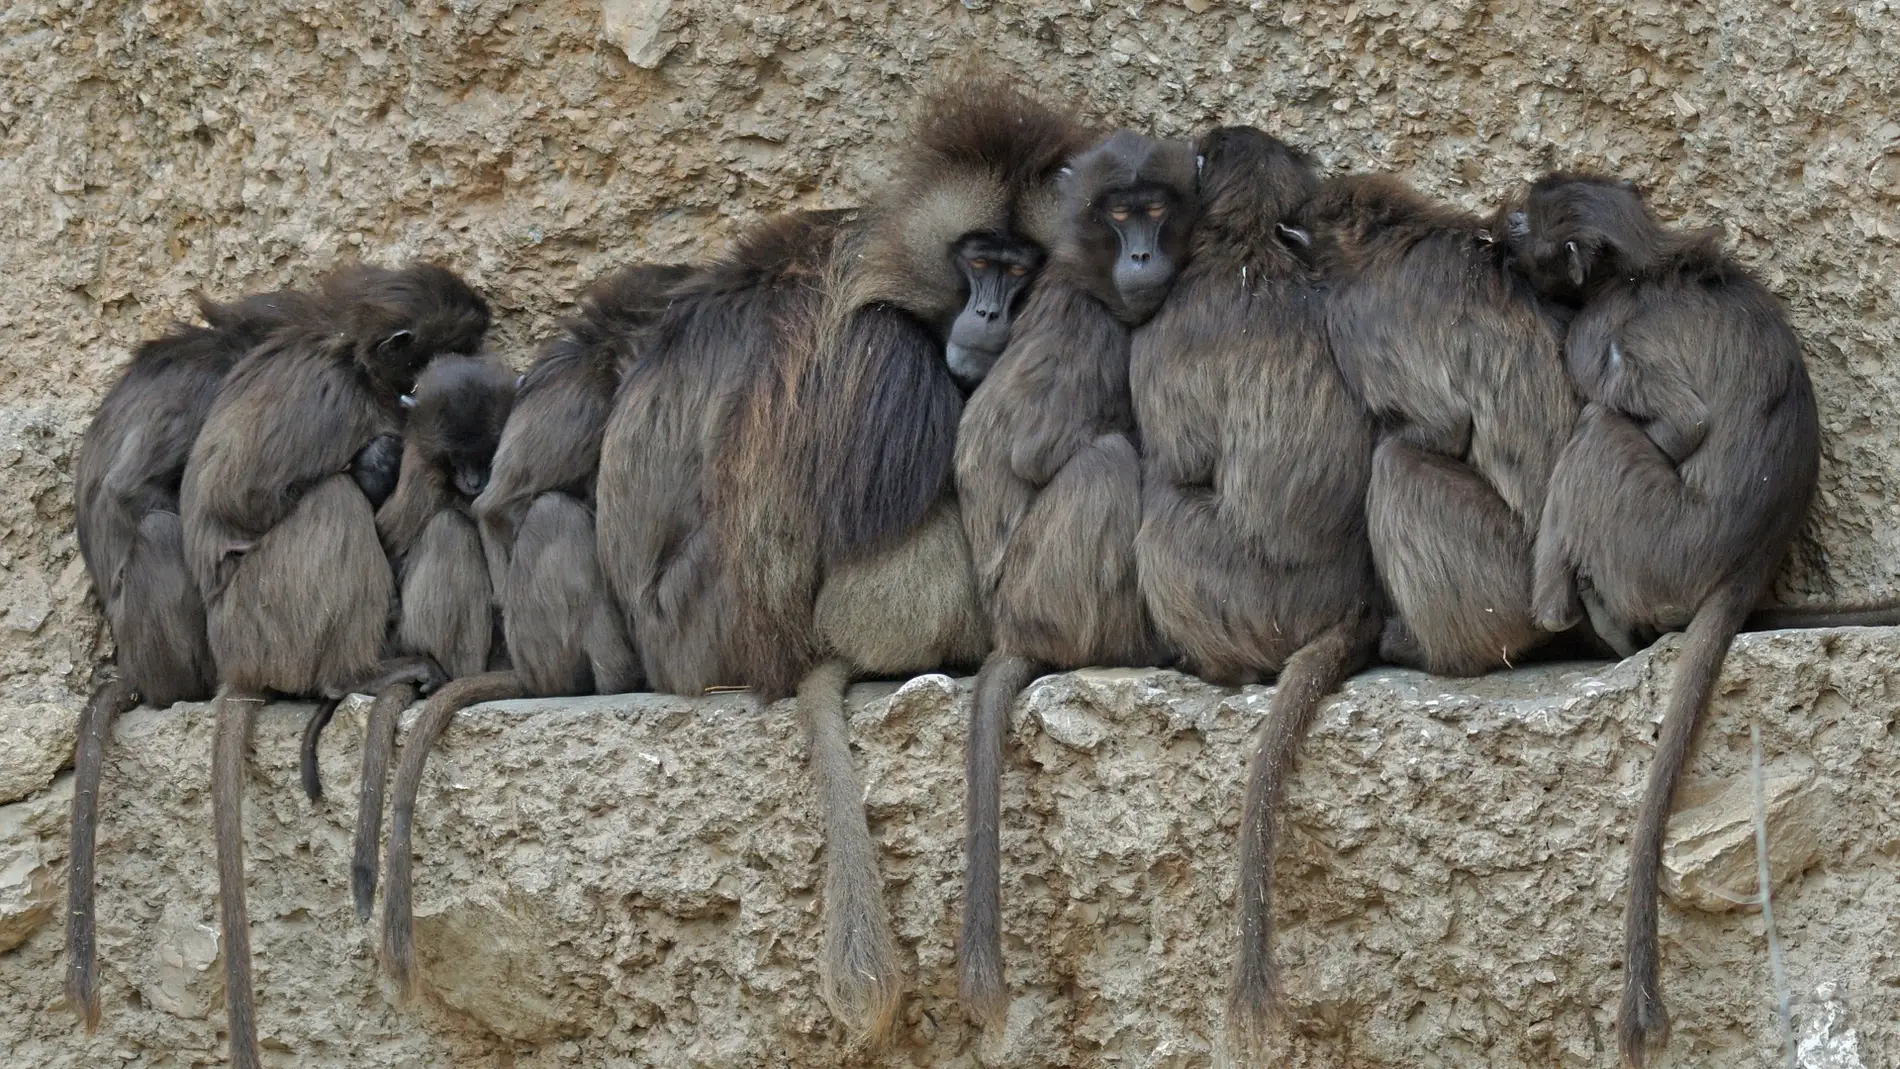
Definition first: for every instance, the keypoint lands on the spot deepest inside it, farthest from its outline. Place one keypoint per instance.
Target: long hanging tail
(1887, 615)
(307, 769)
(399, 934)
(1314, 671)
(227, 810)
(82, 968)
(1642, 1020)
(980, 957)
(859, 975)
(379, 739)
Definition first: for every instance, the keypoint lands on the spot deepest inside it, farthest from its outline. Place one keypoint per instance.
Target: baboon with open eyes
(1049, 482)
(125, 508)
(1459, 360)
(563, 632)
(1683, 486)
(1253, 555)
(281, 536)
(445, 601)
(779, 463)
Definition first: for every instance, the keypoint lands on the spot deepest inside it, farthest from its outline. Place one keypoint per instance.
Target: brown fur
(125, 507)
(1049, 486)
(399, 948)
(564, 634)
(1460, 361)
(1253, 553)
(446, 604)
(1684, 485)
(781, 463)
(281, 539)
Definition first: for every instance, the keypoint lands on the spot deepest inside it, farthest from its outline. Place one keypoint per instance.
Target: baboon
(125, 506)
(779, 464)
(281, 539)
(1683, 485)
(445, 601)
(1460, 362)
(1049, 483)
(1253, 554)
(563, 632)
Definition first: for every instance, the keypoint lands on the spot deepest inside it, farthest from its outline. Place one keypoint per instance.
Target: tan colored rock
(36, 741)
(634, 880)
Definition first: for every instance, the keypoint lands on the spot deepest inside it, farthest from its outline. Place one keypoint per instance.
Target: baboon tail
(379, 739)
(1841, 616)
(82, 970)
(980, 955)
(1642, 1019)
(227, 808)
(307, 754)
(399, 935)
(1314, 671)
(859, 974)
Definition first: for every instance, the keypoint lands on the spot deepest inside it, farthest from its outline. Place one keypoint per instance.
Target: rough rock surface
(631, 881)
(151, 150)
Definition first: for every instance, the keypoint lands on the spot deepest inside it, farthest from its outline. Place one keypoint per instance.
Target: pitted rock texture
(633, 881)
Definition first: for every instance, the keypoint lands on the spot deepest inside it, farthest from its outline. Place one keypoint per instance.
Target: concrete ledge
(631, 881)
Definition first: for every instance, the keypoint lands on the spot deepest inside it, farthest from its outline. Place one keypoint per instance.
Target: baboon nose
(1140, 259)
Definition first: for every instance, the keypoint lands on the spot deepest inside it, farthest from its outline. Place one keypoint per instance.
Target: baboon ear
(1576, 264)
(396, 342)
(1294, 235)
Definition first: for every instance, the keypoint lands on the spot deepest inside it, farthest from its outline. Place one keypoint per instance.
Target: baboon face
(997, 270)
(456, 416)
(1574, 232)
(1129, 207)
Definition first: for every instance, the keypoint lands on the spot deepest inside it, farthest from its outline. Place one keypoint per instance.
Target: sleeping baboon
(1253, 553)
(281, 538)
(563, 633)
(1460, 361)
(1683, 486)
(780, 463)
(125, 506)
(1049, 483)
(445, 601)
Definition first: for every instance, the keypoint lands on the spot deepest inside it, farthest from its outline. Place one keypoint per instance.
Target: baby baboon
(564, 634)
(1460, 361)
(1049, 483)
(281, 539)
(779, 464)
(1684, 484)
(1253, 553)
(446, 604)
(125, 506)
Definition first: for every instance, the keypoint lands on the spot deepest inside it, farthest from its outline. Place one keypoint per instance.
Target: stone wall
(632, 881)
(147, 151)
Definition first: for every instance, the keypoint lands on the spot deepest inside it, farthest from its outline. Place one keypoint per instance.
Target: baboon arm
(1664, 404)
(419, 496)
(282, 433)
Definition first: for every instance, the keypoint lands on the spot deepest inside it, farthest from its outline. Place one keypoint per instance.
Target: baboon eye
(1018, 270)
(1120, 215)
(1570, 247)
(408, 400)
(1155, 211)
(979, 264)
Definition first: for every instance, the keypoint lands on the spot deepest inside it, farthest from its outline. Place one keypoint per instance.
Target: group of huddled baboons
(1051, 400)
